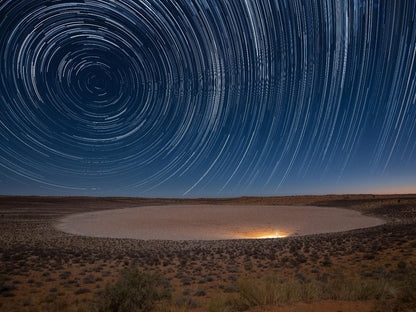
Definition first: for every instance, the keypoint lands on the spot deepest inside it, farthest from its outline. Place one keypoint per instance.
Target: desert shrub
(81, 291)
(361, 289)
(409, 289)
(134, 291)
(405, 297)
(273, 291)
(401, 265)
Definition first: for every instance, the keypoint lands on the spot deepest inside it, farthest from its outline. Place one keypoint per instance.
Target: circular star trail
(206, 98)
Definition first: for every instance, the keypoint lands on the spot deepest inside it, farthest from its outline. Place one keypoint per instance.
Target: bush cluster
(134, 291)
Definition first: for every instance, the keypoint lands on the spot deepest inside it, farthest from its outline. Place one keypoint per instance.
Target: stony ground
(44, 269)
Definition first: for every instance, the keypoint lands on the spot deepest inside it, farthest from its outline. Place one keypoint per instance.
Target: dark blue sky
(207, 98)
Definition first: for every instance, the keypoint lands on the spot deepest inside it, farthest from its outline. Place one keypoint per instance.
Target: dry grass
(394, 293)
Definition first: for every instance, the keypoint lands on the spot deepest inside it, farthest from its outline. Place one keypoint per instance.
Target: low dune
(214, 222)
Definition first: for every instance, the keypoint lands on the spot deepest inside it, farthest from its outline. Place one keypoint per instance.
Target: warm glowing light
(261, 235)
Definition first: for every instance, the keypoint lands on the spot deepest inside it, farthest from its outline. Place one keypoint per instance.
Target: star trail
(207, 98)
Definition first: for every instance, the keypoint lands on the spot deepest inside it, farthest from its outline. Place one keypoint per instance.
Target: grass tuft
(272, 291)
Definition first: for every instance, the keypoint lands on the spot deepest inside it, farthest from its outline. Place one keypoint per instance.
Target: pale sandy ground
(214, 222)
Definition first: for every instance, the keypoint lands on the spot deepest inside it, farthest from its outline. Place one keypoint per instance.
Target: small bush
(405, 298)
(401, 265)
(134, 291)
(81, 291)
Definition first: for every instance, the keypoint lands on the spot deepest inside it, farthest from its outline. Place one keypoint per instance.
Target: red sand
(212, 222)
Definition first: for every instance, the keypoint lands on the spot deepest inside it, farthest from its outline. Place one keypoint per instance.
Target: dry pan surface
(214, 222)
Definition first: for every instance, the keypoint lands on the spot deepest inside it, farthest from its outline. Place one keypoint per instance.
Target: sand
(214, 222)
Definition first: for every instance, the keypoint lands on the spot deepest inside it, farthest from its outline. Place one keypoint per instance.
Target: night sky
(207, 97)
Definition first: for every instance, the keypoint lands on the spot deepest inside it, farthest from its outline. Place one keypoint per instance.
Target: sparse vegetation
(44, 270)
(134, 291)
(396, 293)
(405, 297)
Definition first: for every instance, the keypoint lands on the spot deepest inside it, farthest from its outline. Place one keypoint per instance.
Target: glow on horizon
(390, 190)
(268, 234)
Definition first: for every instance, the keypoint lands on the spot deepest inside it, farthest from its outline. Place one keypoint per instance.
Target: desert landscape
(358, 269)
